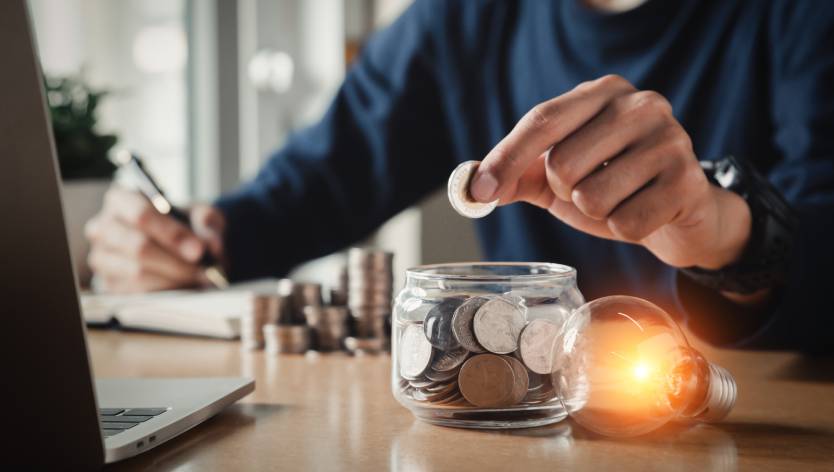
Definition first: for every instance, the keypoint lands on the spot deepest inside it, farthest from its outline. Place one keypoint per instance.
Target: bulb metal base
(721, 395)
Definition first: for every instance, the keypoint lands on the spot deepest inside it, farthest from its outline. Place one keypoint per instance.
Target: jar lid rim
(551, 270)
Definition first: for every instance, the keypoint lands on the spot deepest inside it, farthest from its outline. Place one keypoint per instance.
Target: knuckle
(681, 144)
(651, 101)
(559, 170)
(539, 116)
(613, 81)
(626, 227)
(589, 202)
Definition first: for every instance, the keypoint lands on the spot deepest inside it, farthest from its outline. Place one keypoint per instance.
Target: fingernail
(191, 249)
(483, 187)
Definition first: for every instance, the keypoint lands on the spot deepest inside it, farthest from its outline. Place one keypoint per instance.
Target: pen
(148, 186)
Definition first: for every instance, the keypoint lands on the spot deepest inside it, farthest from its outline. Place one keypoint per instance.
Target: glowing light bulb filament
(641, 371)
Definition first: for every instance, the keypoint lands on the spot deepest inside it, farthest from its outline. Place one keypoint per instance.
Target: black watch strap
(764, 262)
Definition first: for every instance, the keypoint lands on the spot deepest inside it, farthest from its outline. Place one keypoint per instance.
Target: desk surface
(334, 412)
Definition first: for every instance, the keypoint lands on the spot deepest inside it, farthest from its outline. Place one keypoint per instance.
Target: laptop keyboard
(116, 420)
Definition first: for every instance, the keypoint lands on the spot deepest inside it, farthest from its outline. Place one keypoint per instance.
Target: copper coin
(486, 380)
(448, 360)
(522, 381)
(438, 324)
(536, 345)
(462, 324)
(497, 325)
(415, 352)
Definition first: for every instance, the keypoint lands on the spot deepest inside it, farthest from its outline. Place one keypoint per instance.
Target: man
(596, 119)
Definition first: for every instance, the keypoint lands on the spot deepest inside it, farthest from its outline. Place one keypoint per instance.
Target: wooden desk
(334, 412)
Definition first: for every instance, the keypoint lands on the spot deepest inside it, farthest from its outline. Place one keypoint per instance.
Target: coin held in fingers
(459, 196)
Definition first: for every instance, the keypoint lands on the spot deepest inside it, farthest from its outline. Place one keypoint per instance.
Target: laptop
(55, 413)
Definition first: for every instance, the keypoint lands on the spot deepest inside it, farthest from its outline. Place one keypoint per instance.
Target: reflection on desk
(335, 412)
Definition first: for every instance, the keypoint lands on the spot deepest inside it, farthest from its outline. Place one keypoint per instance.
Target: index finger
(543, 126)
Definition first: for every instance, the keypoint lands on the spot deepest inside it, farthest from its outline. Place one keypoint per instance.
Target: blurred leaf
(82, 151)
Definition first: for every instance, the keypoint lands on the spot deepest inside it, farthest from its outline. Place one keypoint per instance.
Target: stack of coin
(286, 339)
(339, 294)
(304, 294)
(370, 290)
(329, 326)
(478, 351)
(263, 310)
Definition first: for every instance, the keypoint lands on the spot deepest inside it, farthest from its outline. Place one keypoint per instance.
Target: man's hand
(613, 161)
(135, 249)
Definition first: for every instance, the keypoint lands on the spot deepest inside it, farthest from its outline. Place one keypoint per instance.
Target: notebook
(213, 313)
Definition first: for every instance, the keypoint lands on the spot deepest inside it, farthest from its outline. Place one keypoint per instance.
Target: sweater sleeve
(801, 35)
(382, 145)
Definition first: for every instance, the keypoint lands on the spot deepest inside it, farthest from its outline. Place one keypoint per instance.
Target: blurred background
(205, 90)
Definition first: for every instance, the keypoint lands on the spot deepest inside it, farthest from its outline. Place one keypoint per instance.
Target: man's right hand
(133, 248)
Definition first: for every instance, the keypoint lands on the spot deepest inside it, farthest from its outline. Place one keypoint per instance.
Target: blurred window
(138, 50)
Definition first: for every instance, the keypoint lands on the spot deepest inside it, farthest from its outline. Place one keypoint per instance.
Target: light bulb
(624, 368)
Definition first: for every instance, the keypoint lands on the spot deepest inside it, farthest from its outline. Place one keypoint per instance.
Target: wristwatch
(765, 261)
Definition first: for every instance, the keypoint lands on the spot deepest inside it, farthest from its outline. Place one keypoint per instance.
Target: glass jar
(472, 342)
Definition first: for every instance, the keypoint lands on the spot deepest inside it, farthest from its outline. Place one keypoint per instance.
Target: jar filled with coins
(472, 342)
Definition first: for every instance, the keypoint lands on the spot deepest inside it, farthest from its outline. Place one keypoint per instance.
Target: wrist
(733, 231)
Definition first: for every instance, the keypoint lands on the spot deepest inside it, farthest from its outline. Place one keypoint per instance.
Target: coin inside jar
(459, 196)
(486, 380)
(438, 324)
(522, 381)
(536, 343)
(462, 324)
(497, 325)
(447, 360)
(415, 352)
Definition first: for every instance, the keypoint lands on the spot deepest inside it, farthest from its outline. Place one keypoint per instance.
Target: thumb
(209, 225)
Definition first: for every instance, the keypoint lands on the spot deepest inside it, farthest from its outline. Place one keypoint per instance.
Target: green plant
(82, 151)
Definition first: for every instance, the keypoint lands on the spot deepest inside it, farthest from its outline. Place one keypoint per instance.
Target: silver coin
(462, 324)
(445, 361)
(415, 352)
(497, 325)
(438, 324)
(451, 399)
(536, 344)
(438, 387)
(439, 376)
(427, 396)
(459, 196)
(422, 383)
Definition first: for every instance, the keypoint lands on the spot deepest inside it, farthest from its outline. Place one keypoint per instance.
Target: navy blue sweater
(449, 79)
